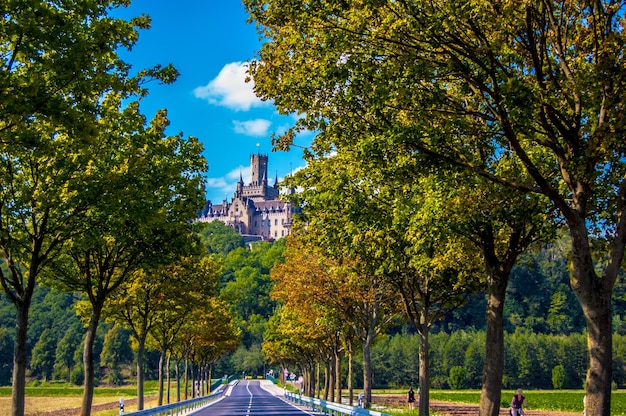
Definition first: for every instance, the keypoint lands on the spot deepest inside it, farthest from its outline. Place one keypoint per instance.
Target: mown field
(55, 396)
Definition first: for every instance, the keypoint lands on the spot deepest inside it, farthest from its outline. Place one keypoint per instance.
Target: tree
(398, 232)
(558, 376)
(458, 377)
(57, 63)
(42, 360)
(343, 290)
(66, 347)
(218, 237)
(116, 351)
(246, 286)
(153, 293)
(152, 192)
(208, 334)
(531, 86)
(170, 294)
(6, 347)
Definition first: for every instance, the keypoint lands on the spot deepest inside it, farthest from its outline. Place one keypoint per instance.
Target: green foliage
(558, 376)
(246, 286)
(116, 351)
(217, 237)
(249, 360)
(77, 376)
(393, 359)
(525, 95)
(64, 354)
(458, 378)
(6, 355)
(43, 355)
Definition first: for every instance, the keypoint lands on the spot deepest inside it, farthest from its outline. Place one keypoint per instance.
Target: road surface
(248, 398)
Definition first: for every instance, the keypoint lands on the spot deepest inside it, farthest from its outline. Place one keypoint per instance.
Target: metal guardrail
(330, 408)
(179, 408)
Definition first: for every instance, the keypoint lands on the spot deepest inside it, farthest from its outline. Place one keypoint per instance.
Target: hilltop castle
(255, 210)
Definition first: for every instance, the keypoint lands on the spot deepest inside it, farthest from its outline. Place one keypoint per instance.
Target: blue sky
(209, 43)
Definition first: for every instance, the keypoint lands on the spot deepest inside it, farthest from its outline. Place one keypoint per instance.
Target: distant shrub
(558, 377)
(78, 375)
(458, 378)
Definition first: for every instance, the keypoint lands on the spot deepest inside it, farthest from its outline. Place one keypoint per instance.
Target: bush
(458, 378)
(78, 375)
(558, 377)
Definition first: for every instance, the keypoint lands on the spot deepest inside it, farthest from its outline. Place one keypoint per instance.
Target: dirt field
(457, 409)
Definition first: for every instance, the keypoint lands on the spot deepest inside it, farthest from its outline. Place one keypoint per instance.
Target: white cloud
(242, 171)
(255, 128)
(230, 89)
(222, 188)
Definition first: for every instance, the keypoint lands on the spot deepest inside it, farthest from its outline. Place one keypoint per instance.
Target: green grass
(554, 400)
(55, 389)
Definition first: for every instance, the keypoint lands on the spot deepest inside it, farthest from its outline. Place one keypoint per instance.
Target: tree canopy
(528, 95)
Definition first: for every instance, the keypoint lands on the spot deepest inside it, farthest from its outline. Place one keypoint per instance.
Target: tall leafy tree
(116, 351)
(154, 293)
(64, 354)
(57, 60)
(358, 302)
(42, 359)
(398, 232)
(179, 287)
(152, 193)
(533, 85)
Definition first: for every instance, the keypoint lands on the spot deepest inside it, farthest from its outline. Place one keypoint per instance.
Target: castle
(255, 210)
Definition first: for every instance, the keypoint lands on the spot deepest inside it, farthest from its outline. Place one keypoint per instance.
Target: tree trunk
(494, 342)
(186, 383)
(19, 356)
(177, 380)
(88, 361)
(318, 380)
(594, 295)
(327, 376)
(312, 379)
(338, 374)
(350, 375)
(161, 364)
(424, 374)
(167, 375)
(140, 376)
(331, 380)
(367, 372)
(210, 378)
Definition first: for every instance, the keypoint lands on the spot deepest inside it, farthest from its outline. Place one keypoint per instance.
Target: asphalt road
(248, 398)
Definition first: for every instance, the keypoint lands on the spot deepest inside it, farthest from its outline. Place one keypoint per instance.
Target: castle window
(276, 222)
(262, 223)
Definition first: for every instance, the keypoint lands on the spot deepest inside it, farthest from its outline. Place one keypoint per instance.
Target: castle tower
(258, 168)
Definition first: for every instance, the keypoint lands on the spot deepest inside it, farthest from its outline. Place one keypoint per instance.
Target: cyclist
(517, 403)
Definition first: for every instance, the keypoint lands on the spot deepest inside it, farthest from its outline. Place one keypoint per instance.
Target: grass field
(559, 400)
(554, 400)
(55, 396)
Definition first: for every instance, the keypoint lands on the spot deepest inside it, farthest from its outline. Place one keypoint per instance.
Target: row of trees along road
(90, 192)
(512, 111)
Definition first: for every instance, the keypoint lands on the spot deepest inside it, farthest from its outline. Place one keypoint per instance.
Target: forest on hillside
(543, 323)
